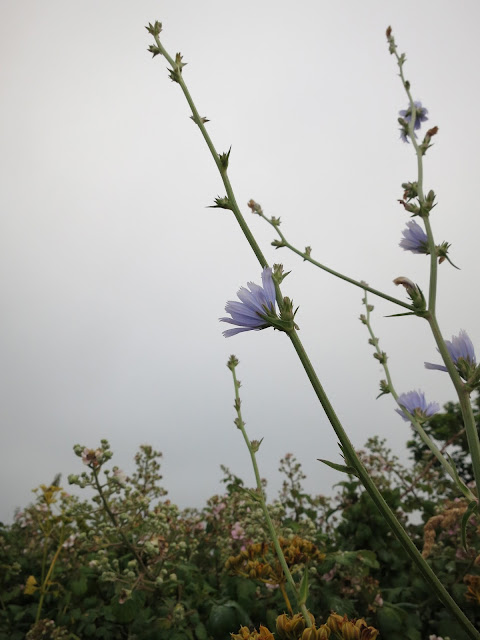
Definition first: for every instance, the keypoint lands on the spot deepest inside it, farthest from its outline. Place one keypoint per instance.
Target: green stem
(261, 497)
(415, 423)
(223, 171)
(114, 520)
(462, 392)
(408, 545)
(337, 274)
(464, 399)
(432, 289)
(44, 584)
(353, 460)
(44, 562)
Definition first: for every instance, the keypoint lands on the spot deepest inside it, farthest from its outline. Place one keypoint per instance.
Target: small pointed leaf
(466, 517)
(339, 467)
(303, 591)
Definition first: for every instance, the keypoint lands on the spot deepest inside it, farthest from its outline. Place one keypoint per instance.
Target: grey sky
(113, 273)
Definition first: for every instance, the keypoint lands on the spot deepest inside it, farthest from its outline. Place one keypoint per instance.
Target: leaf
(222, 620)
(303, 590)
(341, 605)
(397, 315)
(368, 558)
(466, 517)
(79, 587)
(246, 590)
(344, 558)
(339, 467)
(451, 628)
(390, 619)
(125, 612)
(201, 631)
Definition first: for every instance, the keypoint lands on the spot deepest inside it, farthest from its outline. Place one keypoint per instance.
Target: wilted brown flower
(473, 592)
(245, 634)
(312, 633)
(356, 629)
(449, 518)
(291, 628)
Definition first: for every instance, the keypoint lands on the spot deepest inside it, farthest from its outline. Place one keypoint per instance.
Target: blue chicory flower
(255, 304)
(414, 238)
(420, 116)
(461, 352)
(414, 402)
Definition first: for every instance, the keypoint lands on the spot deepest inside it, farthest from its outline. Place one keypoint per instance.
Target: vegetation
(128, 563)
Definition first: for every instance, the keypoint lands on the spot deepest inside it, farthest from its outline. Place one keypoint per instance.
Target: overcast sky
(113, 271)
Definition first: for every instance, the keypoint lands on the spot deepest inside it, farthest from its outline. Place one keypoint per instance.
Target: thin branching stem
(382, 357)
(115, 523)
(463, 392)
(307, 258)
(261, 498)
(348, 450)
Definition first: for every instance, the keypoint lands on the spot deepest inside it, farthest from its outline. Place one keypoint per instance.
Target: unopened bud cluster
(295, 628)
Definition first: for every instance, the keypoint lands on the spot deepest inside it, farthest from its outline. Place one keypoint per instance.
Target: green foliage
(132, 565)
(447, 430)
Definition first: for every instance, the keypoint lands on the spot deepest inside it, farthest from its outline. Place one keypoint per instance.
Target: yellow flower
(245, 634)
(291, 628)
(31, 586)
(312, 633)
(49, 493)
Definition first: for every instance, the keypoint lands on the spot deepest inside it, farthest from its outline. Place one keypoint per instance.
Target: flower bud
(290, 628)
(335, 622)
(381, 357)
(410, 190)
(414, 293)
(311, 633)
(350, 631)
(265, 634)
(243, 634)
(255, 207)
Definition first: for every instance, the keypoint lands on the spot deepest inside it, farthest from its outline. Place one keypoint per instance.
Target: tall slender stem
(432, 289)
(464, 399)
(348, 449)
(353, 460)
(261, 497)
(223, 171)
(45, 581)
(415, 423)
(307, 257)
(462, 392)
